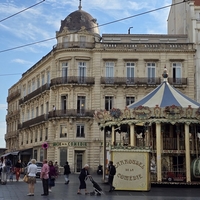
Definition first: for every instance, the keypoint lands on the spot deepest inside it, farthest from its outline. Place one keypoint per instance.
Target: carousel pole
(187, 153)
(132, 135)
(158, 150)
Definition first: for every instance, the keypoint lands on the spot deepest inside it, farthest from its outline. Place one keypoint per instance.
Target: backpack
(8, 163)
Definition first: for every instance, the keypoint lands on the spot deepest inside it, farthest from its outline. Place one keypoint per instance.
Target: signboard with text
(132, 170)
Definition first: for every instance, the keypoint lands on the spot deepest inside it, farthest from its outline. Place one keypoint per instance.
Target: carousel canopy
(165, 95)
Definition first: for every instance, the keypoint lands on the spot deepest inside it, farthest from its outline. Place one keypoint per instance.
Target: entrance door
(79, 161)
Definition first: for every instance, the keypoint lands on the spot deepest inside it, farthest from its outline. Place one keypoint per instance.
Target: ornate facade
(55, 100)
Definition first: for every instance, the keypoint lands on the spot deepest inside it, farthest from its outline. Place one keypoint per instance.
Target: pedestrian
(82, 178)
(18, 168)
(31, 172)
(56, 167)
(3, 171)
(52, 176)
(67, 171)
(111, 174)
(44, 175)
(8, 166)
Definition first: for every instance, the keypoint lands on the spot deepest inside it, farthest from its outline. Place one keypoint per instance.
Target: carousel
(154, 140)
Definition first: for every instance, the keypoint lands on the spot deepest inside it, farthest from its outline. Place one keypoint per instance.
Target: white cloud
(21, 61)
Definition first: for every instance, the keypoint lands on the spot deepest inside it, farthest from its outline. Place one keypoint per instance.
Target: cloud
(21, 61)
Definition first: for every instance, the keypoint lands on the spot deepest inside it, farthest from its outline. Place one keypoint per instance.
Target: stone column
(187, 153)
(113, 138)
(158, 149)
(132, 135)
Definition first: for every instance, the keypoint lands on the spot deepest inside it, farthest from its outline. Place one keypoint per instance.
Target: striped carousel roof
(165, 95)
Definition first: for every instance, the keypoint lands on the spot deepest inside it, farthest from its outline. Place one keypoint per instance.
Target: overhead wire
(115, 21)
(22, 11)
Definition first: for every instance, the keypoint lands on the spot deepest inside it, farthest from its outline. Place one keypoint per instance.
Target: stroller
(97, 189)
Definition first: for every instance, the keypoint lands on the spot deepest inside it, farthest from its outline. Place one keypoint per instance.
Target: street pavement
(19, 190)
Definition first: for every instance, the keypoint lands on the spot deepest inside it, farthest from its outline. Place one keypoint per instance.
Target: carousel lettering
(133, 162)
(129, 178)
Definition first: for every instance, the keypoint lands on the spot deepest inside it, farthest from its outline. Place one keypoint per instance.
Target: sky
(41, 22)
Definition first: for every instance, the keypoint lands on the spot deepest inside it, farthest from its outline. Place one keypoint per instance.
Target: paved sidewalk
(18, 191)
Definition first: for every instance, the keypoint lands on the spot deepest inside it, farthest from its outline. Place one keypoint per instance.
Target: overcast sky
(42, 21)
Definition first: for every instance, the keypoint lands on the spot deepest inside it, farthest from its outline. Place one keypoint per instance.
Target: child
(11, 173)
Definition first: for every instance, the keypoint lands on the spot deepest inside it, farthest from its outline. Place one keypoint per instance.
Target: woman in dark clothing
(18, 168)
(67, 172)
(52, 175)
(83, 175)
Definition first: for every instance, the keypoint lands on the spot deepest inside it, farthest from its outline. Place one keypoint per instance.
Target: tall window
(47, 107)
(41, 154)
(46, 134)
(109, 72)
(29, 87)
(63, 131)
(151, 72)
(80, 131)
(24, 90)
(35, 154)
(36, 135)
(42, 109)
(41, 135)
(108, 102)
(48, 77)
(36, 112)
(32, 113)
(130, 72)
(82, 71)
(177, 69)
(81, 104)
(38, 82)
(33, 85)
(64, 71)
(43, 79)
(64, 103)
(82, 41)
(130, 100)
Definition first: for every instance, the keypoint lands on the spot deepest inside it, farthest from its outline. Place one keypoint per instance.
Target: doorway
(78, 161)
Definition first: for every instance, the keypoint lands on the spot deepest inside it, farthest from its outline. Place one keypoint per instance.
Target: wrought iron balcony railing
(72, 80)
(13, 95)
(34, 93)
(71, 113)
(65, 45)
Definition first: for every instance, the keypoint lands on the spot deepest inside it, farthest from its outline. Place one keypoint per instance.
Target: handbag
(25, 179)
(52, 177)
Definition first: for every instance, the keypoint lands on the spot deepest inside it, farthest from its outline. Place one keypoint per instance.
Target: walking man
(44, 175)
(112, 172)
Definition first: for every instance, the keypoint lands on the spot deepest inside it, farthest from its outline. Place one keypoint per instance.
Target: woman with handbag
(52, 175)
(32, 170)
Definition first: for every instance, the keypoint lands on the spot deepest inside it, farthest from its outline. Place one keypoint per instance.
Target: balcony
(65, 45)
(10, 134)
(13, 95)
(34, 93)
(72, 80)
(141, 81)
(130, 81)
(31, 122)
(71, 113)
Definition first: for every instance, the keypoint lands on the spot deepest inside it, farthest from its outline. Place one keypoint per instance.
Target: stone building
(54, 101)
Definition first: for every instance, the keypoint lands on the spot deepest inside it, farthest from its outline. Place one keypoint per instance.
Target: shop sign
(72, 144)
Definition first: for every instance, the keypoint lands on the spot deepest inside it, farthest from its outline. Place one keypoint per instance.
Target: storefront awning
(14, 153)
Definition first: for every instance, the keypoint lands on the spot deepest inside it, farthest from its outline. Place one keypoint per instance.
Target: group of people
(49, 173)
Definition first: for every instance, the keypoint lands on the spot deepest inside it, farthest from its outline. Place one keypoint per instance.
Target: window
(63, 156)
(24, 90)
(29, 87)
(32, 113)
(41, 135)
(36, 135)
(28, 115)
(80, 131)
(47, 107)
(130, 72)
(82, 72)
(81, 105)
(177, 69)
(42, 109)
(33, 85)
(63, 131)
(41, 154)
(48, 77)
(64, 103)
(43, 79)
(82, 41)
(35, 154)
(108, 102)
(65, 42)
(151, 73)
(130, 100)
(46, 134)
(31, 137)
(109, 72)
(64, 71)
(36, 112)
(38, 82)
